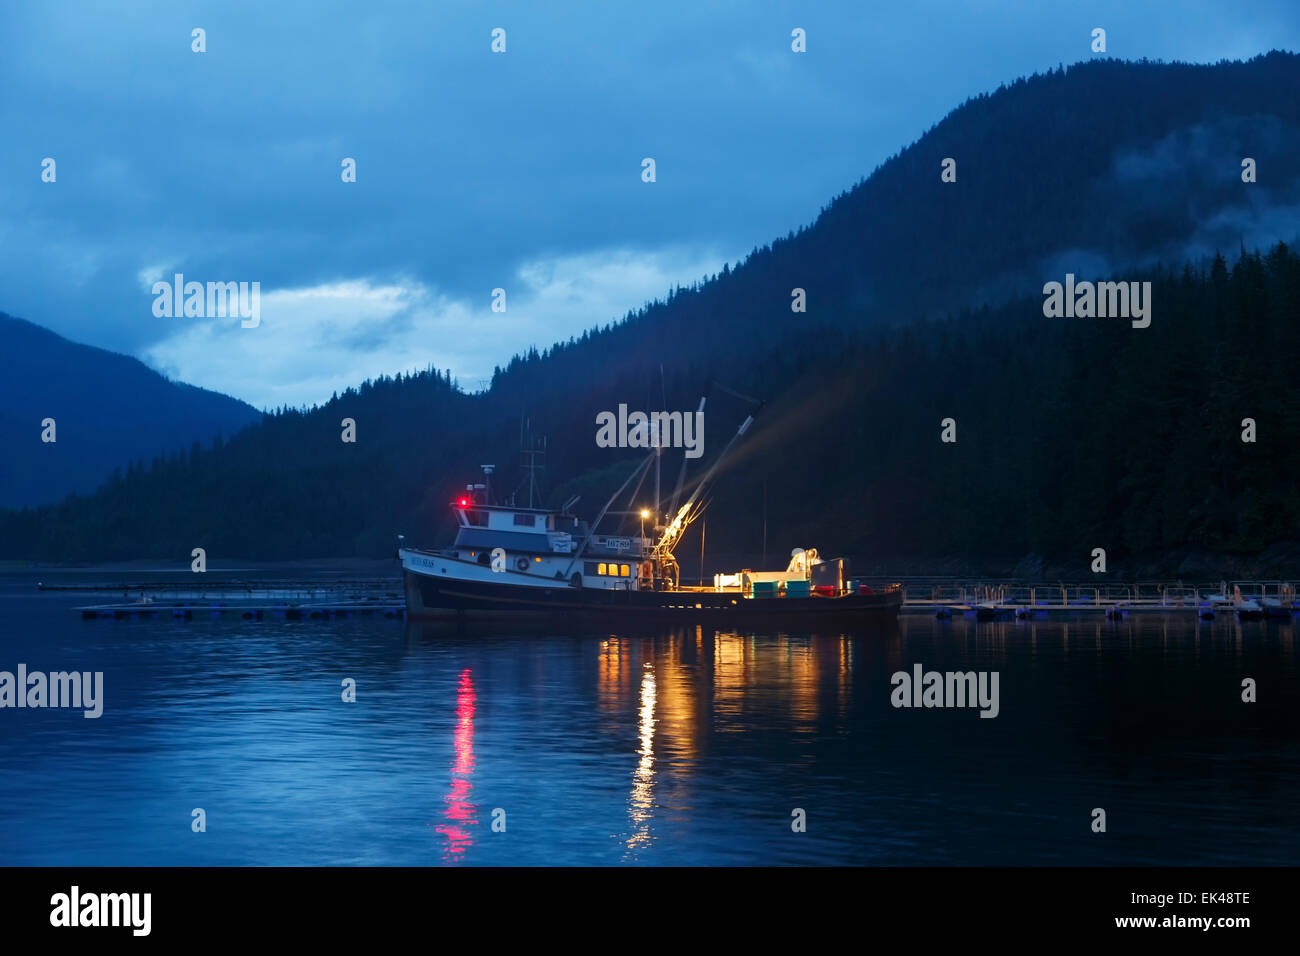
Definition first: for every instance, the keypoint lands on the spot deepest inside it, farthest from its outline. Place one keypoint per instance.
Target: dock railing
(1144, 595)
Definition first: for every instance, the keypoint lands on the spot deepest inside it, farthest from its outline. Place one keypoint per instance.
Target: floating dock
(248, 612)
(295, 599)
(1248, 600)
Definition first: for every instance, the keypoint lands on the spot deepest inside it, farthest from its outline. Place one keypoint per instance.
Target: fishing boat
(511, 563)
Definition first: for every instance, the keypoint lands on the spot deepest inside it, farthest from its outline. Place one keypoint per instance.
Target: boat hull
(433, 597)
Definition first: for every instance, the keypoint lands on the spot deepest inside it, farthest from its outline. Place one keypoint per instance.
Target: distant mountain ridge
(109, 410)
(1098, 169)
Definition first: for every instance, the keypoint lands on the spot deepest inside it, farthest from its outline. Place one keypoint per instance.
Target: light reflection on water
(460, 811)
(680, 746)
(641, 804)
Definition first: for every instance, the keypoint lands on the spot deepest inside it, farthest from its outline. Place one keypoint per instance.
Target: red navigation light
(464, 502)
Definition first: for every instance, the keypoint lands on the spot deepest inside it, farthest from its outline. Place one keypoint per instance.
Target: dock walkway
(988, 601)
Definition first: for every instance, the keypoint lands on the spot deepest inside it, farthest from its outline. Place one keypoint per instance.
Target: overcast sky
(475, 170)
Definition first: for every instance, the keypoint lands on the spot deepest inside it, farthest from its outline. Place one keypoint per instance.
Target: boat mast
(656, 440)
(659, 454)
(530, 449)
(681, 474)
(681, 519)
(682, 516)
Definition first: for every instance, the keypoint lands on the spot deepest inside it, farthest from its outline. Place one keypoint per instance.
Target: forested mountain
(1071, 434)
(1098, 170)
(108, 411)
(924, 303)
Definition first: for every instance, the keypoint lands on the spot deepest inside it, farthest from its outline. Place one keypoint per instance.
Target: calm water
(683, 747)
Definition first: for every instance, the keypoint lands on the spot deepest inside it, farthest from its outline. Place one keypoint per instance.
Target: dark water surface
(677, 747)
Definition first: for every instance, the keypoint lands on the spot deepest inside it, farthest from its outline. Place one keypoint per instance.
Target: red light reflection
(460, 813)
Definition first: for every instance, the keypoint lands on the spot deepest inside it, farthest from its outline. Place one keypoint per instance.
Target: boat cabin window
(525, 521)
(562, 522)
(607, 570)
(477, 518)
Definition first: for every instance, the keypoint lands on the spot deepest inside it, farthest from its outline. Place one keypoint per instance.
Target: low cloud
(314, 341)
